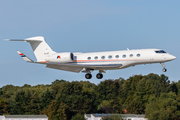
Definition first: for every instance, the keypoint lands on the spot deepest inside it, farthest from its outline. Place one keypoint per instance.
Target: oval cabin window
(131, 55)
(124, 56)
(96, 57)
(138, 55)
(89, 58)
(110, 57)
(103, 57)
(117, 56)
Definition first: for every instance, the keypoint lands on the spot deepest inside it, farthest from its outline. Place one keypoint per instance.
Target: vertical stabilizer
(40, 47)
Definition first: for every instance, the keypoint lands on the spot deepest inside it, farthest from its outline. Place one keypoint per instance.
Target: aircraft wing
(72, 67)
(77, 68)
(25, 57)
(65, 67)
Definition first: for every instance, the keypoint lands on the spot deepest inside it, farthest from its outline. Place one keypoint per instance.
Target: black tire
(88, 76)
(164, 69)
(99, 76)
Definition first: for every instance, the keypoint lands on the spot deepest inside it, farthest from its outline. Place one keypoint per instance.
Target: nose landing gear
(164, 69)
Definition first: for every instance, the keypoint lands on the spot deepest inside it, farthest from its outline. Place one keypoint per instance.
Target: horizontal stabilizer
(32, 39)
(23, 40)
(25, 57)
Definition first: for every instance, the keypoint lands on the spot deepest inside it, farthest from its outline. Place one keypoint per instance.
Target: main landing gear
(89, 75)
(164, 69)
(99, 76)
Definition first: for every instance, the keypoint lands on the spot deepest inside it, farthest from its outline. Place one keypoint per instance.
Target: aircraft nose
(172, 57)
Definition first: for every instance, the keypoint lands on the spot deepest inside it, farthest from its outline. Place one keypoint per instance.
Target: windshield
(160, 51)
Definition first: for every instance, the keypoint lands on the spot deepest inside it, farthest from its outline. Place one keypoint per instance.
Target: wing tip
(19, 52)
(25, 57)
(7, 40)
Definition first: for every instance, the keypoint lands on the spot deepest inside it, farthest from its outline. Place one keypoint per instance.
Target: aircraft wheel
(99, 76)
(88, 76)
(164, 69)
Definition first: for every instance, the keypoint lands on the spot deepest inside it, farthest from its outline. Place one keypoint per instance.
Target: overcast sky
(86, 26)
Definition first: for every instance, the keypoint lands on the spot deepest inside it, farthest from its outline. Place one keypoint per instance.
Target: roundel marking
(58, 57)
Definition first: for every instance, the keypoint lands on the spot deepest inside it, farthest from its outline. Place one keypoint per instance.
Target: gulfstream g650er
(88, 62)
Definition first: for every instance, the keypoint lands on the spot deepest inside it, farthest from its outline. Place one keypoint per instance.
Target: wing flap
(65, 67)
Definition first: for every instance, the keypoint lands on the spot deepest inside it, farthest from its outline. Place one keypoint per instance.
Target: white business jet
(88, 62)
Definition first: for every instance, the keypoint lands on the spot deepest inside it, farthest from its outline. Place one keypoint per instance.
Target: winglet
(25, 57)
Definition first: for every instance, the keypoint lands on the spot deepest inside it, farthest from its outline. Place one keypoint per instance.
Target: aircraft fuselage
(88, 62)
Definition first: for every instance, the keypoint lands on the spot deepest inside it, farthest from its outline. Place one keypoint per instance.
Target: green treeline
(151, 94)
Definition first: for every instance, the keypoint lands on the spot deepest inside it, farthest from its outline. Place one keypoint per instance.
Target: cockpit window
(160, 51)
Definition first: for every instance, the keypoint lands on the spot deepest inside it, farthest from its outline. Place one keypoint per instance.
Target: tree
(109, 89)
(135, 107)
(78, 117)
(166, 107)
(129, 88)
(46, 98)
(114, 117)
(72, 94)
(3, 107)
(25, 102)
(149, 85)
(56, 111)
(17, 106)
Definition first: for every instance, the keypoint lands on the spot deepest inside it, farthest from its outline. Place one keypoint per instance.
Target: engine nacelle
(61, 57)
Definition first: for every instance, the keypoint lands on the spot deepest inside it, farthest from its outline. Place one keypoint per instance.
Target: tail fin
(40, 47)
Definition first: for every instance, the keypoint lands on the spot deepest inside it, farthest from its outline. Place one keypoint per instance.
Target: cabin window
(138, 55)
(103, 57)
(110, 57)
(124, 56)
(96, 57)
(131, 55)
(89, 58)
(117, 56)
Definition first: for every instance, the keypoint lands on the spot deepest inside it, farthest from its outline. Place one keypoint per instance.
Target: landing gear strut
(164, 69)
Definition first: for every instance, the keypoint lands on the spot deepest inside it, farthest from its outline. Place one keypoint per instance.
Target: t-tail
(40, 47)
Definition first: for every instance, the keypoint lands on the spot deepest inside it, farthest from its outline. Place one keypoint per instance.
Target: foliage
(65, 100)
(25, 103)
(46, 98)
(166, 107)
(56, 111)
(78, 117)
(3, 107)
(114, 117)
